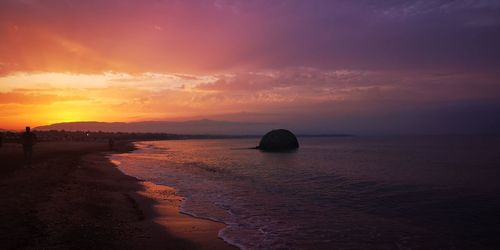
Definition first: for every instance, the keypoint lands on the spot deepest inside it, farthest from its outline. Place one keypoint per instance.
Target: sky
(366, 66)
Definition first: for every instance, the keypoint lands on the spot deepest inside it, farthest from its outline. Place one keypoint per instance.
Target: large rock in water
(278, 140)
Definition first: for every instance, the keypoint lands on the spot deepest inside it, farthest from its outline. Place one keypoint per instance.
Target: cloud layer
(318, 65)
(174, 36)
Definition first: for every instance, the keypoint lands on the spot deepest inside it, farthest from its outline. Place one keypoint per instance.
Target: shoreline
(217, 230)
(162, 206)
(73, 197)
(166, 213)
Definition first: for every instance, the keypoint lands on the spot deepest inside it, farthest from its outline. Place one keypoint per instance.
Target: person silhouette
(1, 139)
(111, 143)
(28, 139)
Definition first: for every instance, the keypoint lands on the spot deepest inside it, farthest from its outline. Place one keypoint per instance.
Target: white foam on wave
(221, 232)
(219, 200)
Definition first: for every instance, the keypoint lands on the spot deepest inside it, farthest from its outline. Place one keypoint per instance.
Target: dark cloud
(410, 85)
(223, 35)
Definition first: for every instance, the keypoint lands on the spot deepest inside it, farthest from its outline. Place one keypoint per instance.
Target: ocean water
(420, 192)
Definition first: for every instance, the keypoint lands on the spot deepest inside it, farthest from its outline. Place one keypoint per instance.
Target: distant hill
(182, 127)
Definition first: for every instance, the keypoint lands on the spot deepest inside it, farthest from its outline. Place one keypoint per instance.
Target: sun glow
(41, 98)
(66, 116)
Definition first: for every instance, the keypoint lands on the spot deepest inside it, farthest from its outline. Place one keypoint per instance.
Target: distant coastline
(62, 135)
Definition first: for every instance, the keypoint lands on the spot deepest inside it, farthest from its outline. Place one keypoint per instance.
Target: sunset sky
(313, 66)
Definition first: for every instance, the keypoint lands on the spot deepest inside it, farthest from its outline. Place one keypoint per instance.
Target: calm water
(336, 193)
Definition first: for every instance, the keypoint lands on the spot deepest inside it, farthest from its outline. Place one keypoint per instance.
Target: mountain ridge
(200, 126)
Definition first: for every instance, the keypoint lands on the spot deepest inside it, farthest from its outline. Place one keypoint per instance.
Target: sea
(359, 192)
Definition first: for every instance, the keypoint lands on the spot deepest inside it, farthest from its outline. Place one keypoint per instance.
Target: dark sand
(72, 197)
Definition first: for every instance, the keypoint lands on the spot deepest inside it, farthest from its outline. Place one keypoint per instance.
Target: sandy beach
(73, 197)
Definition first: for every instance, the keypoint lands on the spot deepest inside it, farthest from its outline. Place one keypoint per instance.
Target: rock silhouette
(278, 140)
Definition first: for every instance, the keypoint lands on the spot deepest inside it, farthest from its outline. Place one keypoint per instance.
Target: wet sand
(73, 197)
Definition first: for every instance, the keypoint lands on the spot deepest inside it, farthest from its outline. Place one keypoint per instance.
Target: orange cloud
(34, 99)
(42, 98)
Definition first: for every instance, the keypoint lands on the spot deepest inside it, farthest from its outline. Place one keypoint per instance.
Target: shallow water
(338, 192)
